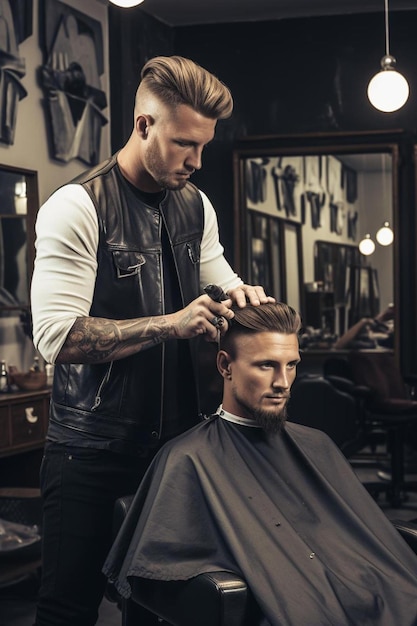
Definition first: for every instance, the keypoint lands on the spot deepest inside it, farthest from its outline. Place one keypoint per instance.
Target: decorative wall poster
(15, 27)
(73, 64)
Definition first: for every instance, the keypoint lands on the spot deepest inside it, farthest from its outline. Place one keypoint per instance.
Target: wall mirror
(302, 206)
(19, 204)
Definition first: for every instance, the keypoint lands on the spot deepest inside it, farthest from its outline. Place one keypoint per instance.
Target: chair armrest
(121, 507)
(210, 599)
(408, 530)
(347, 385)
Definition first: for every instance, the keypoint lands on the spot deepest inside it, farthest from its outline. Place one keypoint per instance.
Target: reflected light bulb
(126, 3)
(385, 235)
(366, 246)
(388, 90)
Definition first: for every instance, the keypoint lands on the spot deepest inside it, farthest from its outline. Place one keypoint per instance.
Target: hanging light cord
(386, 29)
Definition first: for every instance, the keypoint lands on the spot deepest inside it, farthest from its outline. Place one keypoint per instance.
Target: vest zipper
(161, 410)
(105, 380)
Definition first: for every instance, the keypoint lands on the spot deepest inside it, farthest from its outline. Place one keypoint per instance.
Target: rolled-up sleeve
(65, 267)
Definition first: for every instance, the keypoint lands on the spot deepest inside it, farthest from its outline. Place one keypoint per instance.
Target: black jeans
(79, 487)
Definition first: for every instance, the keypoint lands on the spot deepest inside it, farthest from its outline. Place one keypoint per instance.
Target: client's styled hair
(275, 317)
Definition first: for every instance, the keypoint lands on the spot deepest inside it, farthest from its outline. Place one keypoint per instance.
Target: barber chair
(338, 371)
(389, 405)
(328, 404)
(211, 599)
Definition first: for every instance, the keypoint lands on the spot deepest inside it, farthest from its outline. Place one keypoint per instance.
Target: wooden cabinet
(23, 421)
(23, 426)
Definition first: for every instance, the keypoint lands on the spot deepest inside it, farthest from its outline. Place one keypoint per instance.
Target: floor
(17, 602)
(17, 606)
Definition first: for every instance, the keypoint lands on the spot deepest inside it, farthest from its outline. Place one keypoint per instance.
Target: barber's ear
(142, 126)
(224, 364)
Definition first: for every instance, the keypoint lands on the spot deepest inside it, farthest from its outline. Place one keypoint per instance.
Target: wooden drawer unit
(28, 423)
(23, 421)
(4, 428)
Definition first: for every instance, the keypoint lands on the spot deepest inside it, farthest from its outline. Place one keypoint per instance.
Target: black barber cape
(285, 511)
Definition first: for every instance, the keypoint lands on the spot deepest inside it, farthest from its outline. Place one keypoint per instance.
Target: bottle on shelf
(4, 378)
(35, 366)
(49, 369)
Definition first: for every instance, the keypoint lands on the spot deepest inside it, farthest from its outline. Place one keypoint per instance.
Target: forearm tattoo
(97, 340)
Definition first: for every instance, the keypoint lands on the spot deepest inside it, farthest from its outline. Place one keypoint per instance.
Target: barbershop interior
(314, 182)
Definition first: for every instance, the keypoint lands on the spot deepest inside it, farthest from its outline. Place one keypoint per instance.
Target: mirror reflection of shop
(14, 287)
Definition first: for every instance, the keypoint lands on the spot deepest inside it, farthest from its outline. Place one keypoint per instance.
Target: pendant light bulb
(126, 4)
(366, 246)
(385, 235)
(388, 90)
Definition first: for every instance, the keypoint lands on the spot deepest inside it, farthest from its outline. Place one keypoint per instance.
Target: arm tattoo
(98, 340)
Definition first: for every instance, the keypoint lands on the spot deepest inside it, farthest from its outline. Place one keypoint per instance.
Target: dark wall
(134, 37)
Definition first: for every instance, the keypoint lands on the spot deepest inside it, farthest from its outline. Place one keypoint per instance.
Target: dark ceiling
(191, 12)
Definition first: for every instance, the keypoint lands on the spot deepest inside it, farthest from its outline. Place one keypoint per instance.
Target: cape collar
(242, 421)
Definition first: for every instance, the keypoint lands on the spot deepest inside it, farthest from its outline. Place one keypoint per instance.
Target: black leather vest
(121, 400)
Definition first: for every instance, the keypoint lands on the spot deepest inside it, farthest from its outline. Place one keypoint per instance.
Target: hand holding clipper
(217, 294)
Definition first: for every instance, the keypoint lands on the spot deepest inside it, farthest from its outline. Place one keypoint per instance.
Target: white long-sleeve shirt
(66, 264)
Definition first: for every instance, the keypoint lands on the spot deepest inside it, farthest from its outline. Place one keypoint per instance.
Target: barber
(122, 255)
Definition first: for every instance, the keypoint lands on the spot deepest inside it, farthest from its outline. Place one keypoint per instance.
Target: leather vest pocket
(127, 262)
(193, 249)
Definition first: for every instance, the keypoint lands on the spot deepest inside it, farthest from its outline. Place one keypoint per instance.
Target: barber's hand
(248, 293)
(203, 316)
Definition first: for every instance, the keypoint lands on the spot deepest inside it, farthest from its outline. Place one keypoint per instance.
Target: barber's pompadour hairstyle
(176, 80)
(275, 317)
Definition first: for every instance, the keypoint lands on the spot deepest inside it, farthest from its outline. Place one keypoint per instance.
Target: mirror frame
(32, 207)
(402, 147)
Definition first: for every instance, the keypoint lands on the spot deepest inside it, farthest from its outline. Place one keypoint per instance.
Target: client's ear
(224, 364)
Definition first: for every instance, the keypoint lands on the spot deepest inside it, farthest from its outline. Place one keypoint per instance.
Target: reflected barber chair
(328, 404)
(212, 599)
(390, 406)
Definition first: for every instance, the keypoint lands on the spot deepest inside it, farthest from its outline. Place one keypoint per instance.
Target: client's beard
(270, 421)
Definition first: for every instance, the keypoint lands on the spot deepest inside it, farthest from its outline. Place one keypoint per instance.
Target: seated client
(273, 501)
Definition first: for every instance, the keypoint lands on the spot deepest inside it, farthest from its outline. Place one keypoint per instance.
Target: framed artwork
(71, 77)
(16, 26)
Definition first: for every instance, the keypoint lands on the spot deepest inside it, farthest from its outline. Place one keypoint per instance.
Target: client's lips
(277, 397)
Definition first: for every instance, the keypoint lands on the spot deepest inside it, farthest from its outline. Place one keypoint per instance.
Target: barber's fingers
(254, 294)
(202, 316)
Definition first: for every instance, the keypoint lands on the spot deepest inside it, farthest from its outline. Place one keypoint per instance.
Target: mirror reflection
(304, 217)
(16, 236)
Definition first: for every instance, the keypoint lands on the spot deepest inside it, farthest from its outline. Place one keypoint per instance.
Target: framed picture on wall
(73, 82)
(16, 26)
(273, 186)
